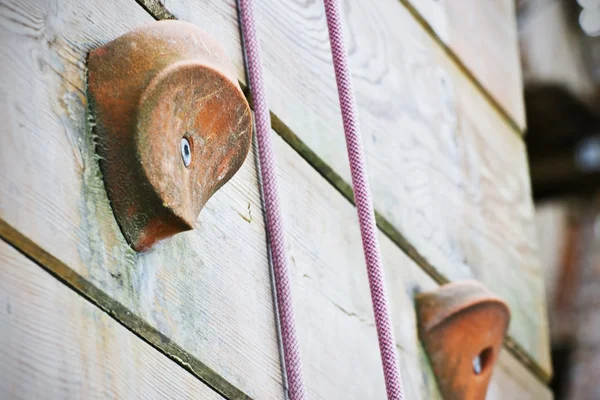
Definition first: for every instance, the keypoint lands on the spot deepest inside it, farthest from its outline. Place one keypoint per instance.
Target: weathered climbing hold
(172, 123)
(462, 326)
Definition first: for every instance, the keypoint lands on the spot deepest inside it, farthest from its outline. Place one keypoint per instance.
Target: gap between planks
(464, 69)
(159, 12)
(119, 312)
(392, 233)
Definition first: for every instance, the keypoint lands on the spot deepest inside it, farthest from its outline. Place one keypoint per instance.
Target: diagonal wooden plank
(119, 312)
(329, 331)
(482, 39)
(336, 322)
(56, 345)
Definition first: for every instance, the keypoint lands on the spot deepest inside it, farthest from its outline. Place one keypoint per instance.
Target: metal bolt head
(481, 361)
(477, 365)
(186, 152)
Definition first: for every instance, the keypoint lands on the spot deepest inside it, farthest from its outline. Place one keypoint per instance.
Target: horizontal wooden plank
(56, 345)
(483, 36)
(207, 290)
(448, 175)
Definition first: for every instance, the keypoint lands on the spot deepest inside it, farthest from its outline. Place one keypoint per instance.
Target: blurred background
(560, 55)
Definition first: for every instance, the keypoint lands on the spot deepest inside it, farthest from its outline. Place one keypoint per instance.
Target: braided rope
(364, 203)
(274, 223)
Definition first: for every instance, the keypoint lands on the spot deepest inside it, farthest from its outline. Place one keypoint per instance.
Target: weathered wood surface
(329, 275)
(484, 37)
(36, 308)
(56, 345)
(207, 290)
(62, 335)
(447, 173)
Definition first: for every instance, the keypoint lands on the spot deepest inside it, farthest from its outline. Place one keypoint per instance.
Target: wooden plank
(483, 37)
(448, 175)
(56, 345)
(328, 331)
(207, 290)
(507, 257)
(329, 275)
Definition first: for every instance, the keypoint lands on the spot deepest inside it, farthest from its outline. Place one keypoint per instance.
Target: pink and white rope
(364, 203)
(274, 223)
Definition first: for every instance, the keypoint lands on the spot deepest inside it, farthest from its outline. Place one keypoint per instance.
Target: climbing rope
(364, 203)
(362, 198)
(274, 223)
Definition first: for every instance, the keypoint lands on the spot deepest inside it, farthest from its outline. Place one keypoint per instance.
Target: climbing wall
(84, 316)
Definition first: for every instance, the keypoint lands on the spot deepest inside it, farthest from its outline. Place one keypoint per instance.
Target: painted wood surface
(484, 37)
(448, 175)
(56, 345)
(206, 290)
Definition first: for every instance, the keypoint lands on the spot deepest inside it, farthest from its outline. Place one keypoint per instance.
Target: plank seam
(466, 71)
(156, 10)
(392, 233)
(133, 323)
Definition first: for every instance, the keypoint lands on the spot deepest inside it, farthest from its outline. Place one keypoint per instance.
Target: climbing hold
(462, 326)
(162, 94)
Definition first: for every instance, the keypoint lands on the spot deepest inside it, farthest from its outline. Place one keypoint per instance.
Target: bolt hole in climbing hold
(481, 360)
(145, 141)
(186, 151)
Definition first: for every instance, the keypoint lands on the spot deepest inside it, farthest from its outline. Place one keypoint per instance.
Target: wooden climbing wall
(83, 316)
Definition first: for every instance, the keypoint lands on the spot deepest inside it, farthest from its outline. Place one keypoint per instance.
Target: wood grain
(56, 345)
(207, 290)
(329, 275)
(483, 37)
(19, 276)
(448, 175)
